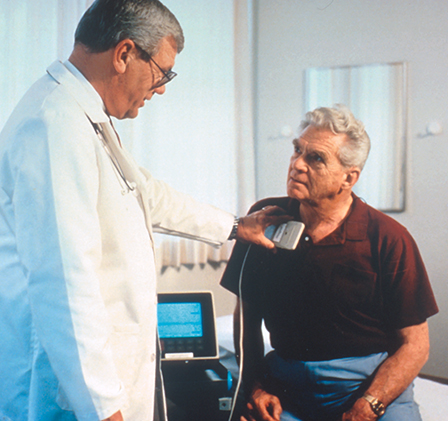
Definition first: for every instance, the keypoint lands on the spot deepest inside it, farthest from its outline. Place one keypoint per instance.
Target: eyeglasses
(167, 76)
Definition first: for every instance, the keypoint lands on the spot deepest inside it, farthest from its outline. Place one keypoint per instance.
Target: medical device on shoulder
(285, 236)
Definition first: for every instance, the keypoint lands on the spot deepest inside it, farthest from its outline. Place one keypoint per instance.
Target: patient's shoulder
(284, 202)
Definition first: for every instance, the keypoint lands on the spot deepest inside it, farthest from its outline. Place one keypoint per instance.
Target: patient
(347, 310)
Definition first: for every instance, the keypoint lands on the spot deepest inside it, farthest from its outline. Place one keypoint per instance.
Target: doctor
(77, 273)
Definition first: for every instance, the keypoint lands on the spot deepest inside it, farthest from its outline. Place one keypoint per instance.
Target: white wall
(292, 35)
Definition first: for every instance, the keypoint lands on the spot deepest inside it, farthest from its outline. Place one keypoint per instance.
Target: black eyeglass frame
(167, 76)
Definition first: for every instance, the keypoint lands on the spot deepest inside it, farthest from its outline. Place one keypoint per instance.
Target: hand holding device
(251, 227)
(285, 236)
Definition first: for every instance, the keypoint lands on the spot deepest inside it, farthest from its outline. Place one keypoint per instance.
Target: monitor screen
(179, 320)
(186, 326)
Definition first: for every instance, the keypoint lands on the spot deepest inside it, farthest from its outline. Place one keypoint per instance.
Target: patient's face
(315, 173)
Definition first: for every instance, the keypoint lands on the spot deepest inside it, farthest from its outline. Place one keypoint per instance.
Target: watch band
(377, 406)
(232, 235)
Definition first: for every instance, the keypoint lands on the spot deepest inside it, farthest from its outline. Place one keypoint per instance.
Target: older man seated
(347, 309)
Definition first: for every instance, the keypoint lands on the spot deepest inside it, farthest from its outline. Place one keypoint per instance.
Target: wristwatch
(377, 406)
(236, 222)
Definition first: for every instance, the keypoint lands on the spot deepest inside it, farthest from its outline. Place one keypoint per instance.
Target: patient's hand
(263, 407)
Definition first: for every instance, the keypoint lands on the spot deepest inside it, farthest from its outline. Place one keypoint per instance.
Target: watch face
(378, 408)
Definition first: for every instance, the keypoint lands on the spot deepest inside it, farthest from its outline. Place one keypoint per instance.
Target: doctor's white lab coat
(77, 274)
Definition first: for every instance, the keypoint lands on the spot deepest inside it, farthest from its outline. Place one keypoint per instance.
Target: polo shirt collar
(354, 227)
(356, 223)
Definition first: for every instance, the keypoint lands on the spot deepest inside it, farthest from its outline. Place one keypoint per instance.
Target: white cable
(240, 370)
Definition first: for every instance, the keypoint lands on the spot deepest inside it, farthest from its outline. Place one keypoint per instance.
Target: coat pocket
(127, 349)
(125, 340)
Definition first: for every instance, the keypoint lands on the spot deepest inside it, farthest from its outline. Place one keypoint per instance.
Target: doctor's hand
(263, 407)
(115, 417)
(251, 227)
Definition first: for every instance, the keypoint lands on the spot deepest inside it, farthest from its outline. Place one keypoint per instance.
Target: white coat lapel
(131, 177)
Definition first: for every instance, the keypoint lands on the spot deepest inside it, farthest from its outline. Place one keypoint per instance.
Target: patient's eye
(316, 159)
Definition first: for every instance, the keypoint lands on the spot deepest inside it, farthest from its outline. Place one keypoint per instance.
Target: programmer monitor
(186, 325)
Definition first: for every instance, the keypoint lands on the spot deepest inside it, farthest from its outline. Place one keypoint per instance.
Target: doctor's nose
(160, 90)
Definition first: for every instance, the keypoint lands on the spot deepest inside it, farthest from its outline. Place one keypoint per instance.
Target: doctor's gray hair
(146, 22)
(340, 120)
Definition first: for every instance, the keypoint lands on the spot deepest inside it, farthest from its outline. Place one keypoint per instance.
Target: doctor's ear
(351, 177)
(123, 53)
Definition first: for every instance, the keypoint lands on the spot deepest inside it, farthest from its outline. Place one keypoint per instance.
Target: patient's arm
(396, 373)
(253, 345)
(262, 405)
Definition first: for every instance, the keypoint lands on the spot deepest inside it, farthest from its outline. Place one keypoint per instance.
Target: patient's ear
(351, 177)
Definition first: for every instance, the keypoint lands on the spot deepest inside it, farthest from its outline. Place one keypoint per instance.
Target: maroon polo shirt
(344, 296)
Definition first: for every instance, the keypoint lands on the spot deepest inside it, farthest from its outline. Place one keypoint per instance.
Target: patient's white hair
(340, 120)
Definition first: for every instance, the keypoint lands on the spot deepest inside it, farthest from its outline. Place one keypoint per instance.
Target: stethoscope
(130, 185)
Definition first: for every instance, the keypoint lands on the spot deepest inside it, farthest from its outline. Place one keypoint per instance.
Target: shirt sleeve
(231, 275)
(409, 299)
(243, 263)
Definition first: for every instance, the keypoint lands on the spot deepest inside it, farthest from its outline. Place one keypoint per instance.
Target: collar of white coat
(67, 75)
